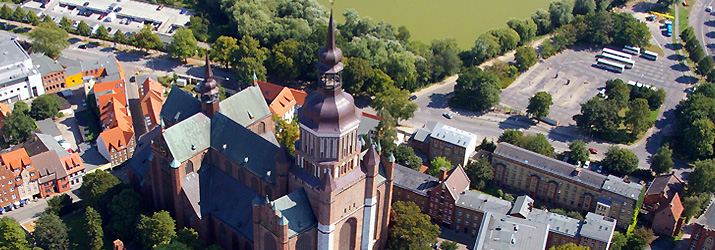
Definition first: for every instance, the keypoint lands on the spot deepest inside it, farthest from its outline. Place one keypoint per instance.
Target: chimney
(442, 174)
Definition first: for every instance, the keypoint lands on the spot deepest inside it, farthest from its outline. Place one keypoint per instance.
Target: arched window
(189, 167)
(222, 235)
(261, 128)
(348, 234)
(268, 241)
(378, 219)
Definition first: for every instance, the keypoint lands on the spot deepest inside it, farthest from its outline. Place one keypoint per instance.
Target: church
(217, 168)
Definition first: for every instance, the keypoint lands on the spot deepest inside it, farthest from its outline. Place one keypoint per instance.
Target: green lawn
(654, 115)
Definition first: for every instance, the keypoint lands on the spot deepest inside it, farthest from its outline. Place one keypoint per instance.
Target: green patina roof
(296, 210)
(245, 107)
(189, 137)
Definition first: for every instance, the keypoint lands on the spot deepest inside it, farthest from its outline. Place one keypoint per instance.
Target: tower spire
(330, 56)
(209, 91)
(207, 69)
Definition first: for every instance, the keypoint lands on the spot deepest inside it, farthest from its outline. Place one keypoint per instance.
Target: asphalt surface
(703, 25)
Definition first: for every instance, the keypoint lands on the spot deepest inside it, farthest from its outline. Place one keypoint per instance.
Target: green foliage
(572, 214)
(173, 246)
(525, 28)
(542, 19)
(411, 229)
(598, 116)
(396, 102)
(618, 241)
(705, 66)
(45, 106)
(199, 26)
(641, 238)
(536, 143)
(12, 236)
(6, 12)
(32, 18)
(222, 50)
(66, 24)
(183, 45)
(525, 57)
(480, 173)
(688, 35)
(560, 13)
(386, 132)
(620, 160)
(83, 29)
(405, 155)
(583, 7)
(119, 37)
(507, 37)
(125, 209)
(155, 230)
(20, 107)
(357, 75)
(662, 161)
(49, 39)
(147, 39)
(695, 133)
(696, 54)
(287, 132)
(50, 232)
(18, 127)
(695, 204)
(95, 186)
(273, 21)
(511, 136)
(19, 14)
(485, 47)
(577, 151)
(445, 59)
(570, 246)
(476, 90)
(59, 205)
(702, 179)
(284, 59)
(102, 32)
(638, 116)
(93, 227)
(189, 237)
(437, 164)
(539, 104)
(448, 245)
(250, 57)
(487, 145)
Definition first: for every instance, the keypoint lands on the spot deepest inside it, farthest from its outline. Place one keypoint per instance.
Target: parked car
(118, 9)
(83, 46)
(85, 4)
(447, 115)
(182, 11)
(709, 8)
(593, 150)
(413, 97)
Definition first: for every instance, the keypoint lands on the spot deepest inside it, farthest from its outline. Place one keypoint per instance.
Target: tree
(287, 132)
(59, 205)
(189, 237)
(250, 57)
(93, 227)
(570, 246)
(511, 136)
(95, 185)
(662, 161)
(147, 39)
(32, 18)
(487, 145)
(6, 12)
(386, 132)
(694, 204)
(542, 19)
(701, 135)
(20, 107)
(183, 45)
(411, 229)
(155, 230)
(222, 50)
(119, 37)
(702, 179)
(696, 54)
(641, 237)
(525, 28)
(620, 160)
(200, 27)
(507, 37)
(537, 143)
(583, 7)
(19, 14)
(174, 246)
(66, 24)
(102, 32)
(705, 65)
(406, 156)
(598, 116)
(618, 241)
(445, 59)
(525, 57)
(357, 75)
(48, 38)
(124, 209)
(396, 101)
(437, 164)
(50, 232)
(83, 29)
(560, 13)
(18, 127)
(476, 90)
(448, 245)
(284, 59)
(656, 99)
(577, 151)
(539, 104)
(637, 116)
(12, 236)
(619, 94)
(480, 173)
(45, 106)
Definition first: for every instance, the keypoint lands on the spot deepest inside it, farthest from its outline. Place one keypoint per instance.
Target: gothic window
(348, 234)
(262, 128)
(189, 167)
(268, 241)
(378, 219)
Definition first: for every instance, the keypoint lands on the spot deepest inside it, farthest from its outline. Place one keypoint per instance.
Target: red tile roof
(151, 106)
(116, 138)
(4, 112)
(282, 103)
(72, 163)
(112, 112)
(150, 85)
(457, 181)
(16, 159)
(117, 87)
(271, 90)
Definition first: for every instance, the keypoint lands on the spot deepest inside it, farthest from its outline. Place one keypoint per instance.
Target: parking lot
(127, 15)
(578, 81)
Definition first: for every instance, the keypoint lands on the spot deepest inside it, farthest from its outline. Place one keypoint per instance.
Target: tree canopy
(534, 142)
(570, 246)
(156, 230)
(183, 45)
(125, 209)
(50, 232)
(18, 127)
(525, 57)
(12, 236)
(620, 160)
(93, 227)
(577, 151)
(49, 39)
(476, 90)
(95, 185)
(45, 106)
(480, 173)
(411, 229)
(83, 29)
(395, 101)
(386, 132)
(702, 179)
(405, 155)
(437, 164)
(147, 39)
(287, 132)
(539, 104)
(662, 161)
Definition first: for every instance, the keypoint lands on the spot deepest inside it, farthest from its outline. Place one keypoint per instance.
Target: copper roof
(329, 111)
(329, 57)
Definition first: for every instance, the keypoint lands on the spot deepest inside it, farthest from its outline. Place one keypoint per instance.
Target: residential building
(662, 205)
(564, 185)
(595, 231)
(239, 190)
(498, 231)
(48, 127)
(420, 141)
(9, 195)
(53, 74)
(53, 177)
(74, 166)
(454, 144)
(271, 90)
(19, 79)
(81, 71)
(703, 234)
(21, 178)
(151, 97)
(71, 164)
(116, 144)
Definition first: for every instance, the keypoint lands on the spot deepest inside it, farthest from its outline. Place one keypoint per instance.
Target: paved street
(33, 209)
(703, 25)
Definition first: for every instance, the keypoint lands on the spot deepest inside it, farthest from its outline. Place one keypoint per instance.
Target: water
(426, 20)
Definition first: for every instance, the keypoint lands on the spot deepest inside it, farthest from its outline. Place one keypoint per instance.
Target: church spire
(209, 90)
(329, 59)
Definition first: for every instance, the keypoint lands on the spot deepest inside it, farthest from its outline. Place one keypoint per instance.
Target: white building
(19, 79)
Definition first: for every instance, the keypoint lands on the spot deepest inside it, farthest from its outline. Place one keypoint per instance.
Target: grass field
(426, 20)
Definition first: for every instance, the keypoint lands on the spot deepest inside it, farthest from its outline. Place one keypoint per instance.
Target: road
(703, 25)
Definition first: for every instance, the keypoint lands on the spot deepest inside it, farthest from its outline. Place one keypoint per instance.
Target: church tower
(209, 91)
(341, 187)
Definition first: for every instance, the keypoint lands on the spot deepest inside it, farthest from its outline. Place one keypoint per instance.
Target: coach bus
(628, 62)
(631, 50)
(610, 65)
(616, 53)
(650, 55)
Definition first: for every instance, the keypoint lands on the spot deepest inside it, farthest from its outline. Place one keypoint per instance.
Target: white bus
(628, 62)
(610, 65)
(650, 55)
(616, 53)
(631, 50)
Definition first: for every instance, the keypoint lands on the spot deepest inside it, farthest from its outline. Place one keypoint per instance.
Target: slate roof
(708, 218)
(483, 202)
(48, 163)
(413, 180)
(454, 136)
(296, 208)
(43, 143)
(258, 156)
(139, 162)
(179, 105)
(561, 224)
(189, 137)
(423, 134)
(45, 64)
(245, 107)
(210, 191)
(549, 164)
(616, 185)
(667, 184)
(598, 227)
(368, 122)
(48, 127)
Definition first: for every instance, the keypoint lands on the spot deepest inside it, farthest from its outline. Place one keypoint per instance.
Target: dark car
(85, 4)
(413, 97)
(83, 46)
(182, 11)
(118, 9)
(447, 115)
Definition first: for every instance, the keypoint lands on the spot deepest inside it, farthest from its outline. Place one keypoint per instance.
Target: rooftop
(414, 180)
(483, 202)
(12, 52)
(423, 134)
(454, 136)
(598, 227)
(183, 147)
(665, 184)
(295, 207)
(45, 64)
(48, 127)
(557, 223)
(630, 190)
(245, 107)
(504, 232)
(522, 206)
(179, 105)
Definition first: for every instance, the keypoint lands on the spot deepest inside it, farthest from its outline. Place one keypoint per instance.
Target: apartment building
(19, 79)
(454, 144)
